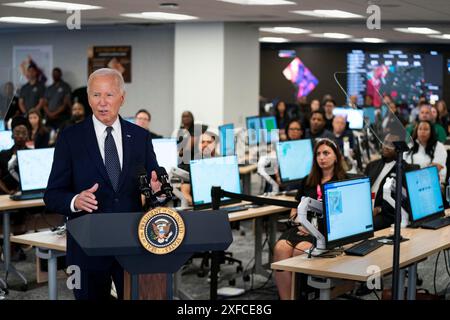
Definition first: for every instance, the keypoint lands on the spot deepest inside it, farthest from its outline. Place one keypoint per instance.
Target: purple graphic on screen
(301, 77)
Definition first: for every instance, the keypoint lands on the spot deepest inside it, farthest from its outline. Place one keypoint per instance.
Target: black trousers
(96, 284)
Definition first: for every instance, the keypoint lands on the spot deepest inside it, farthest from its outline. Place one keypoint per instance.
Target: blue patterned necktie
(112, 163)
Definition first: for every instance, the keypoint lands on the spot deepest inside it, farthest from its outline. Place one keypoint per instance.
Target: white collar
(101, 127)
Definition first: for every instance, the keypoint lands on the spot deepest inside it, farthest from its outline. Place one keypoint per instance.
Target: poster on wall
(115, 57)
(39, 56)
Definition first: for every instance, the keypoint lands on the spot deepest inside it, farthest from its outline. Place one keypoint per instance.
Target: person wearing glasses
(143, 119)
(293, 131)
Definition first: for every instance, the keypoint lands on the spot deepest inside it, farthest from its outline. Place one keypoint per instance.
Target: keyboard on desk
(27, 196)
(234, 209)
(363, 248)
(436, 223)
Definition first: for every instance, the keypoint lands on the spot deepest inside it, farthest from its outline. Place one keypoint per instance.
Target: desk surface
(7, 204)
(421, 244)
(44, 239)
(253, 213)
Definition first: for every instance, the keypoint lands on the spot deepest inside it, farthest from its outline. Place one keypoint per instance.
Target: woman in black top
(327, 166)
(40, 135)
(281, 116)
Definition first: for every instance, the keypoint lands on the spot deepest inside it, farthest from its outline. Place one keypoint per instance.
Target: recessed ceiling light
(161, 16)
(285, 30)
(418, 30)
(328, 14)
(260, 2)
(331, 35)
(373, 40)
(273, 39)
(25, 20)
(440, 36)
(52, 5)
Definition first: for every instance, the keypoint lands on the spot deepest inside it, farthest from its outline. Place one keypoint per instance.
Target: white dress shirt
(424, 160)
(386, 169)
(100, 133)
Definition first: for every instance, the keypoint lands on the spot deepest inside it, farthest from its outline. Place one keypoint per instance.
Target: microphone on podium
(144, 185)
(163, 177)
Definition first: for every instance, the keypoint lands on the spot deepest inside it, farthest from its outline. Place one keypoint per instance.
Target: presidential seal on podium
(161, 230)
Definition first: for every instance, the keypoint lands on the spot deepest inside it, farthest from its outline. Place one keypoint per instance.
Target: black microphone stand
(400, 148)
(151, 200)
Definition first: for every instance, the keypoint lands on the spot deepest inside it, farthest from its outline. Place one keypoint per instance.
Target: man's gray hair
(108, 72)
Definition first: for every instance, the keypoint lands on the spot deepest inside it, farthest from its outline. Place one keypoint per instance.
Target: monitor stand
(316, 252)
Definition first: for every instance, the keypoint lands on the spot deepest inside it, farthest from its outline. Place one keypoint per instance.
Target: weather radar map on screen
(404, 76)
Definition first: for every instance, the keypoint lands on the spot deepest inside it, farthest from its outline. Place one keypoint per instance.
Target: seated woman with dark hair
(327, 166)
(40, 135)
(427, 150)
(293, 131)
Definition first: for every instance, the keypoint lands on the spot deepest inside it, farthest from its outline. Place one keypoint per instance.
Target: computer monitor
(355, 117)
(295, 159)
(6, 140)
(227, 143)
(166, 152)
(34, 168)
(348, 211)
(2, 125)
(424, 194)
(369, 113)
(253, 130)
(206, 173)
(270, 132)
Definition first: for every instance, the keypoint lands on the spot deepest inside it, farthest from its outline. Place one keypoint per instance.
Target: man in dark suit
(95, 171)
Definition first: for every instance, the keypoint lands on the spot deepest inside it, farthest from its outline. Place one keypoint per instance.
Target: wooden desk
(49, 246)
(7, 205)
(257, 214)
(44, 239)
(421, 244)
(253, 213)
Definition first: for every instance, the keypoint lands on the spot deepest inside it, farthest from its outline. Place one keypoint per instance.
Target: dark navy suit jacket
(78, 165)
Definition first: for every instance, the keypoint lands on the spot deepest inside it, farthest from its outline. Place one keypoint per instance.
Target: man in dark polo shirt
(57, 100)
(31, 94)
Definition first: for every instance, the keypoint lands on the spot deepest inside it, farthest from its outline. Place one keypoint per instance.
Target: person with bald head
(425, 114)
(341, 133)
(94, 171)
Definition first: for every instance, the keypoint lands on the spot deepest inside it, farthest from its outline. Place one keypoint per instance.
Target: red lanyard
(319, 192)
